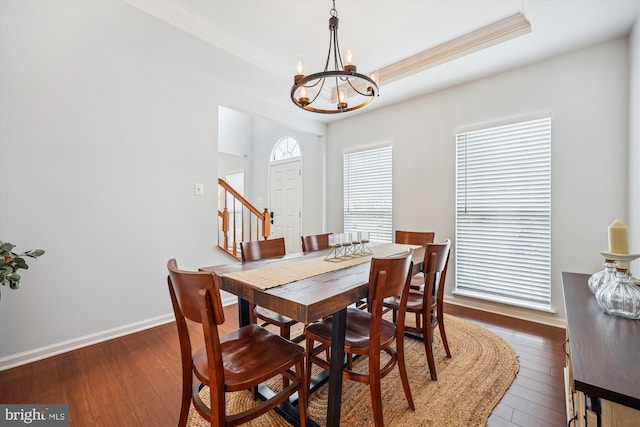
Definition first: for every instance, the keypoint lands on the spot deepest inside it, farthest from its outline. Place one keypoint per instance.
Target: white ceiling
(271, 34)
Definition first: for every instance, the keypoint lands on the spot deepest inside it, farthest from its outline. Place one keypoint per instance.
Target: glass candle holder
(355, 237)
(607, 274)
(620, 297)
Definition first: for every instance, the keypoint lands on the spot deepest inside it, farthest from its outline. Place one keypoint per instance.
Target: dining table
(307, 287)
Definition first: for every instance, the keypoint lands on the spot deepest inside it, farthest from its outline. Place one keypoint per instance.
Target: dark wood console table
(603, 363)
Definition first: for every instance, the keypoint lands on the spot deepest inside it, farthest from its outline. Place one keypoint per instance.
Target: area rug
(469, 385)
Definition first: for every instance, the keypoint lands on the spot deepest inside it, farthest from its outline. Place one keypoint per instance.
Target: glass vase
(620, 297)
(607, 274)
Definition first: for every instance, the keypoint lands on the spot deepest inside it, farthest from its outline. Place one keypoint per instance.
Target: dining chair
(368, 334)
(237, 361)
(415, 237)
(428, 304)
(263, 249)
(315, 242)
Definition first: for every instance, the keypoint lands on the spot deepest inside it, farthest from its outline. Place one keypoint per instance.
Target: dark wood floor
(135, 380)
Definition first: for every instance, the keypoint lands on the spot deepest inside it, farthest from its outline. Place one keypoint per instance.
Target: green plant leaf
(6, 247)
(21, 263)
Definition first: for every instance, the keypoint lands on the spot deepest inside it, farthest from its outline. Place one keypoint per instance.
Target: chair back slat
(436, 260)
(261, 249)
(315, 242)
(442, 255)
(184, 287)
(415, 237)
(388, 276)
(214, 356)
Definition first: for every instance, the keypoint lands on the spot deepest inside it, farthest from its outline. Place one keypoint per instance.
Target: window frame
(289, 153)
(364, 182)
(505, 188)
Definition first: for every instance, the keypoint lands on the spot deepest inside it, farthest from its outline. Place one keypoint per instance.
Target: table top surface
(605, 350)
(305, 300)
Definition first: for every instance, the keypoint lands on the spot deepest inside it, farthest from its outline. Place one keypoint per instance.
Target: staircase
(239, 221)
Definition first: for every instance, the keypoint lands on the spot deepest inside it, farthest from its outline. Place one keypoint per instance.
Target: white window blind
(503, 214)
(367, 193)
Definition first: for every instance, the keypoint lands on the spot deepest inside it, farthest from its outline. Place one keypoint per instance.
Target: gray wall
(586, 93)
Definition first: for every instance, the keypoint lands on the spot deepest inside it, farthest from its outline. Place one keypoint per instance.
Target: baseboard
(19, 359)
(549, 321)
(34, 355)
(228, 299)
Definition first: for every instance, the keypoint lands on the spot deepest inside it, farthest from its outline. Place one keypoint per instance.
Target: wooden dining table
(309, 299)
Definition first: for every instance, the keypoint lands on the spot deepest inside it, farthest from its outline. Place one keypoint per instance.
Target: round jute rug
(469, 385)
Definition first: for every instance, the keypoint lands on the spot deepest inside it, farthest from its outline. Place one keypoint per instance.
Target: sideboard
(602, 376)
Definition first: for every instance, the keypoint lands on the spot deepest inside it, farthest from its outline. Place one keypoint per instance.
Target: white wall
(634, 145)
(101, 145)
(109, 117)
(266, 134)
(585, 92)
(234, 132)
(261, 135)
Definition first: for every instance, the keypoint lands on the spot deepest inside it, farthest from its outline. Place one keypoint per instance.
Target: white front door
(285, 183)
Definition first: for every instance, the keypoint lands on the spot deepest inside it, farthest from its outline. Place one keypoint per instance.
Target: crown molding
(482, 38)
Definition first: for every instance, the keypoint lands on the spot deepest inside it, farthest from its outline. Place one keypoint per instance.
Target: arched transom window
(286, 148)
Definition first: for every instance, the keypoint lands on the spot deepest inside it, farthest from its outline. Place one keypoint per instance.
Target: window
(503, 214)
(367, 193)
(286, 148)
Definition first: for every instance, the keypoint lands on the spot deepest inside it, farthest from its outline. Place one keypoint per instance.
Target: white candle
(618, 238)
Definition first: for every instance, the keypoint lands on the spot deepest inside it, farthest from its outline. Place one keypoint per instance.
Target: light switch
(198, 189)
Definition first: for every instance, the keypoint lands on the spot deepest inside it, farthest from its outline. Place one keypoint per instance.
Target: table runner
(287, 272)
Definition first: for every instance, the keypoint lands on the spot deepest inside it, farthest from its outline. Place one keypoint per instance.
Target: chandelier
(338, 86)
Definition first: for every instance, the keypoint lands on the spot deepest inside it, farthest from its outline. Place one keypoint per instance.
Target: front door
(285, 183)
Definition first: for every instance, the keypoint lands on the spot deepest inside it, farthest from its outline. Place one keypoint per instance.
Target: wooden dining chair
(368, 334)
(428, 304)
(415, 237)
(315, 242)
(263, 249)
(237, 361)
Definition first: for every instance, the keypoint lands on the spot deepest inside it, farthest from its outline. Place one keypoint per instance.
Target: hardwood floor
(135, 380)
(536, 396)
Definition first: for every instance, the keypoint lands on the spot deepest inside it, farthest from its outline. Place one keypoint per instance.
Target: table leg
(287, 409)
(243, 312)
(335, 371)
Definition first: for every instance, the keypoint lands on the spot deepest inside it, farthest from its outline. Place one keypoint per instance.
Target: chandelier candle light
(338, 85)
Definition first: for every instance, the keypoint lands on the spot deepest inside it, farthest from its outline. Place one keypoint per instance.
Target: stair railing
(240, 219)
